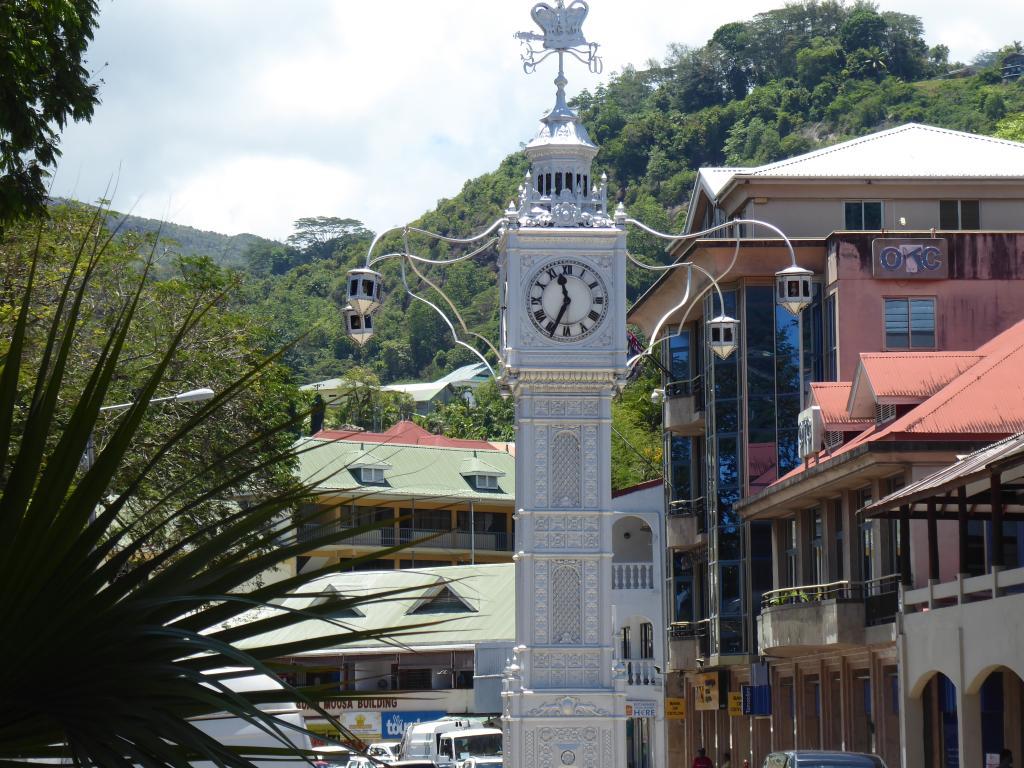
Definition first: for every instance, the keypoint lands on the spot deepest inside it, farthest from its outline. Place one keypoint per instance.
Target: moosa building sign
(924, 258)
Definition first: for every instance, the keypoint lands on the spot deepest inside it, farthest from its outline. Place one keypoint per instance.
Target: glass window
(910, 323)
(862, 215)
(831, 339)
(792, 565)
(959, 214)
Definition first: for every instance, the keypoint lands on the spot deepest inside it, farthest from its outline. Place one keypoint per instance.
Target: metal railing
(693, 630)
(390, 537)
(686, 507)
(687, 388)
(851, 591)
(632, 575)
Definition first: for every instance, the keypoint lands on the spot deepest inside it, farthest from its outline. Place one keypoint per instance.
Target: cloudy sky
(243, 115)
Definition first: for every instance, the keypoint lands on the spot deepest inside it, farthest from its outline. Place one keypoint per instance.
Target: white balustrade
(641, 672)
(632, 575)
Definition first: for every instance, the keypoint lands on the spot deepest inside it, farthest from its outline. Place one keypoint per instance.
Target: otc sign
(925, 258)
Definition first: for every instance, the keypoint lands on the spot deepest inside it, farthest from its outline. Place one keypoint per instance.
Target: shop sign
(675, 709)
(393, 724)
(708, 691)
(641, 709)
(756, 699)
(925, 258)
(735, 704)
(362, 725)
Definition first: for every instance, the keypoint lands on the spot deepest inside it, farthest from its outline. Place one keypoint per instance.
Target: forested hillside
(783, 83)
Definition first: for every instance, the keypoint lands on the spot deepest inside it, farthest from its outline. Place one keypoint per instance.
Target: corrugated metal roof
(831, 398)
(422, 471)
(913, 374)
(406, 433)
(907, 151)
(489, 590)
(987, 399)
(956, 474)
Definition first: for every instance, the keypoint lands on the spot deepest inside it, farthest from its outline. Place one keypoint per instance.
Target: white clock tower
(563, 339)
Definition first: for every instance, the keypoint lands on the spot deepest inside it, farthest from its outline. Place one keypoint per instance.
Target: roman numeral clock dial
(566, 300)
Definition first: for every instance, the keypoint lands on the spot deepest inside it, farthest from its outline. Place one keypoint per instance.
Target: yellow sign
(735, 704)
(707, 694)
(675, 709)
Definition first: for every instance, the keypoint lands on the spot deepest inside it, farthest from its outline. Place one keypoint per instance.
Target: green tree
(488, 416)
(822, 59)
(44, 84)
(219, 347)
(118, 631)
(864, 28)
(363, 404)
(1011, 128)
(636, 432)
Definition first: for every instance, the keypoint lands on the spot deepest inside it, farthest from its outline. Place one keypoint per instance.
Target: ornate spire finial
(562, 28)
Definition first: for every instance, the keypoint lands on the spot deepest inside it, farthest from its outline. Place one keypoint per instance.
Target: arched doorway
(940, 733)
(1001, 701)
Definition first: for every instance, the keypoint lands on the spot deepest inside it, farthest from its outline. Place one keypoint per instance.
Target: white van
(471, 748)
(422, 741)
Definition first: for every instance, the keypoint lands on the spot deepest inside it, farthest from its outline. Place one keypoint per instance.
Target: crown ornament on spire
(562, 27)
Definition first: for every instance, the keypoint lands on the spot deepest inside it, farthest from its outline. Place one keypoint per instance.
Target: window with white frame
(862, 215)
(487, 482)
(371, 475)
(910, 323)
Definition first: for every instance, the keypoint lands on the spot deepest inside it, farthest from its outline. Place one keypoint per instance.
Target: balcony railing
(880, 596)
(641, 672)
(688, 388)
(686, 507)
(696, 631)
(632, 575)
(390, 537)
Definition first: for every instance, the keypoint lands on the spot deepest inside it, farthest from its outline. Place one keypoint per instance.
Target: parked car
(803, 758)
(415, 764)
(385, 751)
(331, 756)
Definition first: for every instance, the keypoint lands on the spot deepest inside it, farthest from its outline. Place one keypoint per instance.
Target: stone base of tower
(561, 730)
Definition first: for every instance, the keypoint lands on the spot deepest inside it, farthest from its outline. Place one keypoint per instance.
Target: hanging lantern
(723, 332)
(793, 288)
(364, 286)
(358, 326)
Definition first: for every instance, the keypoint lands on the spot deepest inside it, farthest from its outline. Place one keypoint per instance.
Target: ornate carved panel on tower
(566, 461)
(540, 466)
(564, 531)
(540, 601)
(566, 669)
(566, 601)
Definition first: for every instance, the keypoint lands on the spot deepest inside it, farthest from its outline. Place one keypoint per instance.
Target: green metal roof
(488, 590)
(415, 471)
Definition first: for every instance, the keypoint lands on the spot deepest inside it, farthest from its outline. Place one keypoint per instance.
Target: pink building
(916, 239)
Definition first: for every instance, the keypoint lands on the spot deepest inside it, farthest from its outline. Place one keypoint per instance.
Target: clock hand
(565, 291)
(558, 318)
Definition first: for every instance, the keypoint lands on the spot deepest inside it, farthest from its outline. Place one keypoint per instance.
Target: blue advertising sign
(757, 699)
(393, 724)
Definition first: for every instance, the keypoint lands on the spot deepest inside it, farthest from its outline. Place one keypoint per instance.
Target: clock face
(566, 300)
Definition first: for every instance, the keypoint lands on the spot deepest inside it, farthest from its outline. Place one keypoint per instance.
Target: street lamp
(192, 396)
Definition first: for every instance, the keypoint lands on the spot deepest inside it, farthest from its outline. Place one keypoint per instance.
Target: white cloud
(250, 113)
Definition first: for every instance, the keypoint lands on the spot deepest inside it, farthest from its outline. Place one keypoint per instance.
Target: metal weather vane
(562, 28)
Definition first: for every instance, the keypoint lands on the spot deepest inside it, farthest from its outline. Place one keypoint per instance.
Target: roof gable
(901, 378)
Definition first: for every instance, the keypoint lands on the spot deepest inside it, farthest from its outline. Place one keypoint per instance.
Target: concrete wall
(799, 213)
(983, 296)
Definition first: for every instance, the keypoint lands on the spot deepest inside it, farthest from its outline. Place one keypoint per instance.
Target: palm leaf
(111, 650)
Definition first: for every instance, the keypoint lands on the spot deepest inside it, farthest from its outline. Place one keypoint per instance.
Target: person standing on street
(702, 760)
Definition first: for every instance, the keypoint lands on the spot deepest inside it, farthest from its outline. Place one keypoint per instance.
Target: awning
(974, 474)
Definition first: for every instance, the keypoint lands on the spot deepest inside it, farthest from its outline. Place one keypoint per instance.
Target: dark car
(805, 758)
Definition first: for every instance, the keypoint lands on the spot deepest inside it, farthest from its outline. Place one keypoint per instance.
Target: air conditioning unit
(810, 432)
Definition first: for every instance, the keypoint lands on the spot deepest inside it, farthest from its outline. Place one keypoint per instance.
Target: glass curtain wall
(753, 400)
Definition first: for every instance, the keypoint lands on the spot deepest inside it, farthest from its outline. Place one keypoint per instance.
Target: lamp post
(192, 396)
